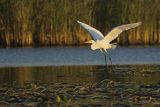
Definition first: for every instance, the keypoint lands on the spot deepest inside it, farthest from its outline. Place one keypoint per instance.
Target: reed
(53, 22)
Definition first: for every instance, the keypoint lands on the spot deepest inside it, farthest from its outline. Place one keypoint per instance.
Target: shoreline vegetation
(34, 23)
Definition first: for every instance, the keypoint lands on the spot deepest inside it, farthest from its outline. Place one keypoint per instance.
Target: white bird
(103, 43)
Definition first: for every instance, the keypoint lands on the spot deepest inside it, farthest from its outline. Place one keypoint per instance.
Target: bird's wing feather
(96, 35)
(114, 33)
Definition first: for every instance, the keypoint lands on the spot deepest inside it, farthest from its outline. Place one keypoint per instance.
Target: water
(78, 77)
(138, 74)
(128, 85)
(76, 56)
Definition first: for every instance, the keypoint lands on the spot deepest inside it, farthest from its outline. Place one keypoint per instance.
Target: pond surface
(76, 56)
(138, 74)
(82, 86)
(77, 77)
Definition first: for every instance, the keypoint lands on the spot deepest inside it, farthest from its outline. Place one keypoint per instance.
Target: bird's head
(90, 42)
(93, 44)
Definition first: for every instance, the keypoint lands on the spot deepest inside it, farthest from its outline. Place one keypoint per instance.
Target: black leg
(105, 60)
(110, 61)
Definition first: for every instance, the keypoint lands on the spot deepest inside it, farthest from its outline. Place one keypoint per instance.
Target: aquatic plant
(53, 22)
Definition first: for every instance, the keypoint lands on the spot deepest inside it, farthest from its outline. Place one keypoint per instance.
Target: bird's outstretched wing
(96, 35)
(114, 33)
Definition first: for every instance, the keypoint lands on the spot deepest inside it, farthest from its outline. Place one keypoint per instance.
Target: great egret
(102, 43)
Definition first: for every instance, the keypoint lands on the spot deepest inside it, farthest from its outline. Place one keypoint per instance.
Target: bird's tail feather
(113, 46)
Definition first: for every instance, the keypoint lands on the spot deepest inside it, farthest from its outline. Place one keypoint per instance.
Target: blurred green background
(31, 23)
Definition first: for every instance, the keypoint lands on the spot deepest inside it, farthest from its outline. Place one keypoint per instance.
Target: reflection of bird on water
(104, 43)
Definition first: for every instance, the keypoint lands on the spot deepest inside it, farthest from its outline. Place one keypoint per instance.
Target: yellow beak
(89, 42)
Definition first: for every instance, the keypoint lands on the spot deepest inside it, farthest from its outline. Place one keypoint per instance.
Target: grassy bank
(53, 22)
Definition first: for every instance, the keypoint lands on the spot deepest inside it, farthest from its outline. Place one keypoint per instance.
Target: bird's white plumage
(113, 34)
(103, 43)
(96, 35)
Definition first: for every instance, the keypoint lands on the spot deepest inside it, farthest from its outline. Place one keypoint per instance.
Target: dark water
(138, 74)
(126, 86)
(77, 77)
